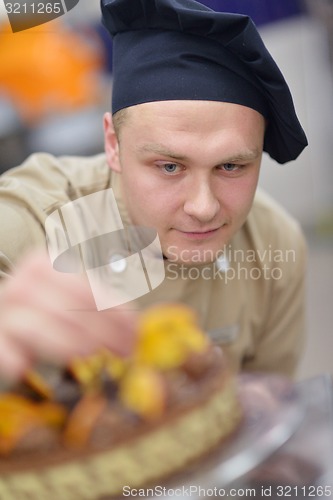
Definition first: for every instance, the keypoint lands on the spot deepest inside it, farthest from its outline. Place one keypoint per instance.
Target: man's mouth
(201, 234)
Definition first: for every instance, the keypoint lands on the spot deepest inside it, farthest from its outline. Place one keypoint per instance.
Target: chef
(197, 99)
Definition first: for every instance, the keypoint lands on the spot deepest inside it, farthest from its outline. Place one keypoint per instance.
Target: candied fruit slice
(52, 414)
(19, 416)
(114, 365)
(166, 316)
(86, 370)
(143, 391)
(82, 420)
(34, 381)
(167, 335)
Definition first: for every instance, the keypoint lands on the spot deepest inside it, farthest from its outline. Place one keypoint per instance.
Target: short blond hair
(119, 119)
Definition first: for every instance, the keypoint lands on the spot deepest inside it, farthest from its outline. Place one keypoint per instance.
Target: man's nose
(201, 202)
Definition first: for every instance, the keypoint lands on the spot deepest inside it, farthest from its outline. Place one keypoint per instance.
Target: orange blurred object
(49, 68)
(83, 419)
(19, 416)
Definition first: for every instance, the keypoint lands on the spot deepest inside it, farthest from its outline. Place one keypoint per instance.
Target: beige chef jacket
(250, 301)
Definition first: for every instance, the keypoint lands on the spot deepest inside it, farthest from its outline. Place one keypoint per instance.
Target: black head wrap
(182, 50)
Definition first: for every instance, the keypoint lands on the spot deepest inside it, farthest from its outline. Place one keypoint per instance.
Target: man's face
(190, 170)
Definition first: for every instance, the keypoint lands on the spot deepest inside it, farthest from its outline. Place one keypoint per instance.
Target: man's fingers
(52, 316)
(14, 362)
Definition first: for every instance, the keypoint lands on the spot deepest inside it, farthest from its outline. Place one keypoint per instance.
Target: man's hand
(52, 316)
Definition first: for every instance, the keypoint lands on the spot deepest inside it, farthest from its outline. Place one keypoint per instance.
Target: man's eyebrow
(249, 155)
(244, 156)
(161, 150)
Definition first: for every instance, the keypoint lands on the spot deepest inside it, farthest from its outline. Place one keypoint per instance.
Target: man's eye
(170, 168)
(230, 167)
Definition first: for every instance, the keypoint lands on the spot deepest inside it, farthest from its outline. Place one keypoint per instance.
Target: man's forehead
(182, 108)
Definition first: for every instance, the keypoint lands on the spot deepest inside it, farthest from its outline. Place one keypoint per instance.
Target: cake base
(149, 456)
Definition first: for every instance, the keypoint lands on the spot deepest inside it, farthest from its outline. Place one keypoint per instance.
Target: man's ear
(111, 143)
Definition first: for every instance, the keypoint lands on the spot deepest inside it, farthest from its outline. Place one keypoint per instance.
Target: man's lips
(202, 234)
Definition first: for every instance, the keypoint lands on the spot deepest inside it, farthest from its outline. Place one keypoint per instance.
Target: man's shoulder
(80, 170)
(265, 204)
(30, 192)
(268, 213)
(97, 161)
(270, 224)
(44, 180)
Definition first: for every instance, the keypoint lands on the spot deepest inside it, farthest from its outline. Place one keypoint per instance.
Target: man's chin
(192, 257)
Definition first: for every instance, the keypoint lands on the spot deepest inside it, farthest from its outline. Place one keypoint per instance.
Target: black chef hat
(182, 50)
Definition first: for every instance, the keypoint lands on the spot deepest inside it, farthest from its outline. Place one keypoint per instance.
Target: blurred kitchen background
(55, 84)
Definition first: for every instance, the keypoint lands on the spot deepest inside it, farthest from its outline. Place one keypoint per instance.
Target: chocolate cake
(104, 422)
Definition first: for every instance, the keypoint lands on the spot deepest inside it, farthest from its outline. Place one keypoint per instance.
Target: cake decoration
(107, 422)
